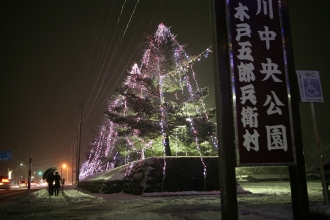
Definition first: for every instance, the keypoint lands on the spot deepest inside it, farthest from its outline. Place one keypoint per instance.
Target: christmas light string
(205, 53)
(94, 164)
(213, 138)
(128, 167)
(145, 147)
(162, 121)
(193, 126)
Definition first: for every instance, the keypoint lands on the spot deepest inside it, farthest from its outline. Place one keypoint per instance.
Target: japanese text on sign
(260, 87)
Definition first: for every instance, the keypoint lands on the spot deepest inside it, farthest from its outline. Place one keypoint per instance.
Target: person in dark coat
(57, 184)
(50, 181)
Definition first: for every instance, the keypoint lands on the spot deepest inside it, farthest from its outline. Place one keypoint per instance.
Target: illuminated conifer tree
(156, 103)
(157, 98)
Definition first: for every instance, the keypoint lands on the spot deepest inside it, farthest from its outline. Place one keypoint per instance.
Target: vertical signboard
(261, 95)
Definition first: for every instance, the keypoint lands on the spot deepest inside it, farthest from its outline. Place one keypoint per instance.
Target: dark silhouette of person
(57, 184)
(50, 181)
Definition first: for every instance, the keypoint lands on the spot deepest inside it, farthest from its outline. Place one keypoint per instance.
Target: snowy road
(268, 201)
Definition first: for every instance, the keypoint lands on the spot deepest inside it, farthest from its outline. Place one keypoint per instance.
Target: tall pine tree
(156, 103)
(157, 97)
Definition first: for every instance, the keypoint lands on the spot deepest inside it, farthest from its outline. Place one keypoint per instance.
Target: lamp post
(67, 174)
(19, 172)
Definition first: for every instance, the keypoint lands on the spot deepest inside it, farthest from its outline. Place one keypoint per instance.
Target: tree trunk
(167, 146)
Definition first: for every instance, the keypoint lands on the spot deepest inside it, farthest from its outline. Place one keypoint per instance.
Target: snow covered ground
(270, 200)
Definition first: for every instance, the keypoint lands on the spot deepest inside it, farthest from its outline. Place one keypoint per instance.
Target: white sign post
(311, 91)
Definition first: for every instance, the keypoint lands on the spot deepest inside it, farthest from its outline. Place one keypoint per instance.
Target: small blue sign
(5, 155)
(310, 86)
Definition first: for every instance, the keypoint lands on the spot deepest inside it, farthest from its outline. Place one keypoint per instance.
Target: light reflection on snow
(270, 200)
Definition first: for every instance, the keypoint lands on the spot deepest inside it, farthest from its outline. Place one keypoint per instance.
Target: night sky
(57, 53)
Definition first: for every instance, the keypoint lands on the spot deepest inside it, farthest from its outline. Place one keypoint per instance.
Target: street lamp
(19, 172)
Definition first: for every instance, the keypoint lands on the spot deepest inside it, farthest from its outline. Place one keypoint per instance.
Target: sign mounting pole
(318, 145)
(311, 91)
(225, 129)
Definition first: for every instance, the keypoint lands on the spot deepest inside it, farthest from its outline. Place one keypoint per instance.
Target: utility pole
(79, 143)
(29, 178)
(72, 162)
